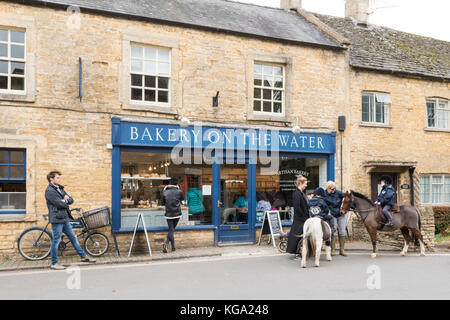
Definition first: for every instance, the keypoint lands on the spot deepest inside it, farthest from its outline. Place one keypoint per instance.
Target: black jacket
(58, 211)
(301, 214)
(171, 198)
(318, 207)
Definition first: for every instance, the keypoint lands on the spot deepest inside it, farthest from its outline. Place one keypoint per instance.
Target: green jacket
(194, 200)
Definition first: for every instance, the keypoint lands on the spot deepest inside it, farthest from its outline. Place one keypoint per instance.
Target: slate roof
(387, 50)
(215, 15)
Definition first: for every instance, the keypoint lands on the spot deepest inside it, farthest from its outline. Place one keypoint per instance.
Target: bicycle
(34, 243)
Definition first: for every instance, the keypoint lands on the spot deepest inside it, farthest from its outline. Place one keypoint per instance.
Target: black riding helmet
(386, 179)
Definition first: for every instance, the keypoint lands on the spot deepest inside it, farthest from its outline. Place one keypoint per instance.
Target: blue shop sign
(167, 135)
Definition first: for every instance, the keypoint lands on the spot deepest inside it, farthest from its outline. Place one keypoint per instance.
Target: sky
(430, 18)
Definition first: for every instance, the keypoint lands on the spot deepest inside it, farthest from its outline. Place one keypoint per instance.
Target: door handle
(219, 204)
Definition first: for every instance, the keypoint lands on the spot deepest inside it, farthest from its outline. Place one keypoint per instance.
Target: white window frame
(438, 122)
(156, 75)
(445, 187)
(262, 87)
(9, 59)
(377, 97)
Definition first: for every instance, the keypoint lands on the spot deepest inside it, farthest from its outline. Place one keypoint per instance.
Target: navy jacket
(334, 201)
(318, 207)
(386, 196)
(58, 211)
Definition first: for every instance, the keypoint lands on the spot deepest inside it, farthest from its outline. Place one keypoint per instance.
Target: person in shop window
(241, 206)
(171, 199)
(194, 199)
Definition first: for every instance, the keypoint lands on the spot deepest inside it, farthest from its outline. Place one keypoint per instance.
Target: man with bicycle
(58, 202)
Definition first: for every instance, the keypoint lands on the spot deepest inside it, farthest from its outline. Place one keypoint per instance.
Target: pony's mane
(361, 196)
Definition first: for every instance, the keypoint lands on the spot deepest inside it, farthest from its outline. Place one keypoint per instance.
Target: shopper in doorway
(171, 199)
(58, 202)
(301, 214)
(333, 199)
(194, 200)
(241, 206)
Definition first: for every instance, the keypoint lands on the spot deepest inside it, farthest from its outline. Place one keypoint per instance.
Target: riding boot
(333, 246)
(389, 223)
(341, 246)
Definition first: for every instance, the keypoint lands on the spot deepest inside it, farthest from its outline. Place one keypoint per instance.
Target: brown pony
(407, 219)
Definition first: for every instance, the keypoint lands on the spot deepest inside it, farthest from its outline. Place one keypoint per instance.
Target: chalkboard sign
(271, 224)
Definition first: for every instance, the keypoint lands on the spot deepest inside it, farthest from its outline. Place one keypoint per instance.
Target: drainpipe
(411, 182)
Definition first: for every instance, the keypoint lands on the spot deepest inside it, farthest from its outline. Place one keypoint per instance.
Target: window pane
(17, 83)
(3, 82)
(136, 52)
(443, 118)
(277, 95)
(163, 96)
(278, 82)
(267, 106)
(257, 68)
(267, 70)
(150, 53)
(4, 66)
(163, 68)
(3, 50)
(16, 157)
(267, 94)
(136, 94)
(379, 113)
(3, 156)
(163, 83)
(3, 35)
(149, 67)
(17, 52)
(18, 200)
(268, 82)
(257, 105)
(257, 93)
(3, 172)
(150, 95)
(431, 114)
(437, 179)
(17, 36)
(163, 55)
(136, 65)
(277, 107)
(18, 68)
(136, 80)
(447, 189)
(437, 193)
(425, 189)
(258, 80)
(16, 172)
(278, 71)
(150, 82)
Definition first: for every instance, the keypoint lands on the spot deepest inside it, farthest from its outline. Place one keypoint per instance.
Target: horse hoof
(303, 266)
(373, 256)
(422, 254)
(402, 254)
(316, 265)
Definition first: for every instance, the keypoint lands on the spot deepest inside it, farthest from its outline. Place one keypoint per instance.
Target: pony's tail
(311, 247)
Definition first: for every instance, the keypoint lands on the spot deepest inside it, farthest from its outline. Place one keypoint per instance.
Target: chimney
(288, 5)
(358, 10)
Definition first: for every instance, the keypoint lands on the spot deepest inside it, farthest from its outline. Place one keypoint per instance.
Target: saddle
(326, 230)
(395, 209)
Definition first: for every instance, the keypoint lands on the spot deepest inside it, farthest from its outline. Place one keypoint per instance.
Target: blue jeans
(57, 229)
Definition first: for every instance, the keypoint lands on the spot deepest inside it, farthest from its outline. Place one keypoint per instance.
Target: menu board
(271, 225)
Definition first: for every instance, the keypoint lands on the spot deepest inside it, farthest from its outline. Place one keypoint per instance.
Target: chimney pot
(288, 5)
(358, 9)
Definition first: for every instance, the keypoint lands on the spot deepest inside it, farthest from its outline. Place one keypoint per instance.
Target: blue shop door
(234, 205)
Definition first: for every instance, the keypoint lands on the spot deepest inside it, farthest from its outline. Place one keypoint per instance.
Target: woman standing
(301, 214)
(171, 198)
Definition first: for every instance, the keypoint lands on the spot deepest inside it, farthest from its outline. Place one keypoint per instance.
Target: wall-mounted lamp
(216, 100)
(296, 129)
(185, 122)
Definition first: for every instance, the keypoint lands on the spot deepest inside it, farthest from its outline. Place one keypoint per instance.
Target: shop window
(278, 187)
(268, 89)
(375, 108)
(435, 189)
(12, 181)
(144, 176)
(438, 113)
(12, 61)
(150, 74)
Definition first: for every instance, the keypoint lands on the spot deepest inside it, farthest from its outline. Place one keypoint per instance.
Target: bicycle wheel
(282, 246)
(96, 244)
(34, 243)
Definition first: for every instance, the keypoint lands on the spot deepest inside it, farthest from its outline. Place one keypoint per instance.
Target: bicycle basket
(96, 218)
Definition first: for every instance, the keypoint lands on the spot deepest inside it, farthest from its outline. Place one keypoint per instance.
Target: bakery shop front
(223, 171)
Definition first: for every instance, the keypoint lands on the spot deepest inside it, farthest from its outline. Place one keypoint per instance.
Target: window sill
(17, 97)
(375, 125)
(436, 129)
(268, 117)
(150, 108)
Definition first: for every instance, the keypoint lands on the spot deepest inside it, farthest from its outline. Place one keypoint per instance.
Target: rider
(386, 198)
(319, 208)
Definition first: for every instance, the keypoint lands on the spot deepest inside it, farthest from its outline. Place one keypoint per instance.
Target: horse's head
(347, 203)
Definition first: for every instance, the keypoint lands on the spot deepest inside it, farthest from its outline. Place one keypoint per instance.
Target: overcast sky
(429, 18)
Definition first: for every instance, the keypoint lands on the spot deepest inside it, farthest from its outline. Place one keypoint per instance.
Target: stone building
(104, 91)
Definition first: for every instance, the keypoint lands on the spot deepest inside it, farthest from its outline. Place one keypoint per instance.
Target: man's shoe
(57, 266)
(390, 223)
(173, 249)
(87, 259)
(164, 248)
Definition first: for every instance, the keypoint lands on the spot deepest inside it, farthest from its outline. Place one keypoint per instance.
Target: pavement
(18, 263)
